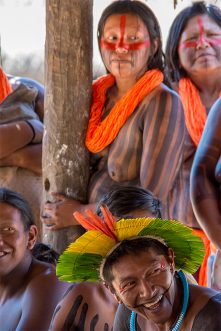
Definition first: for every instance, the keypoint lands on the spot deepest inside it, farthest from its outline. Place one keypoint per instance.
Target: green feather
(74, 267)
(188, 248)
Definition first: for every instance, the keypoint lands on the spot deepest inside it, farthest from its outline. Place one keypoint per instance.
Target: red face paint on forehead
(201, 39)
(122, 31)
(121, 43)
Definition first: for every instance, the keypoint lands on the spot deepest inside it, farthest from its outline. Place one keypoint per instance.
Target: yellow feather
(128, 228)
(94, 242)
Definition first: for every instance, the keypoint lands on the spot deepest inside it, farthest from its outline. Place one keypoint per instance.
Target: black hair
(18, 201)
(174, 71)
(123, 200)
(130, 247)
(149, 19)
(45, 253)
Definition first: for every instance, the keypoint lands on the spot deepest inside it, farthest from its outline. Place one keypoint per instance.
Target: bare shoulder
(207, 309)
(164, 97)
(43, 275)
(199, 296)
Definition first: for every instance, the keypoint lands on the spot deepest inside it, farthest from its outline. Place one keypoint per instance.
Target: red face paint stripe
(139, 45)
(132, 46)
(201, 28)
(189, 44)
(107, 45)
(122, 31)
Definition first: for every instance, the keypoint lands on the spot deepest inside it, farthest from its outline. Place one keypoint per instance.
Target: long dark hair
(174, 71)
(122, 201)
(147, 16)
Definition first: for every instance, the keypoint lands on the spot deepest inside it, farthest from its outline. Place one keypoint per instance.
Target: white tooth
(153, 303)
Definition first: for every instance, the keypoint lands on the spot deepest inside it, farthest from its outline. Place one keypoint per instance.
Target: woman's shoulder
(165, 92)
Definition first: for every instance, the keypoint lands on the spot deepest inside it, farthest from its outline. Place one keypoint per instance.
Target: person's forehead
(132, 264)
(132, 21)
(10, 214)
(196, 23)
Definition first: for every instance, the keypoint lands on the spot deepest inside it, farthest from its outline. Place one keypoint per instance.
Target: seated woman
(206, 184)
(21, 132)
(141, 261)
(29, 289)
(193, 64)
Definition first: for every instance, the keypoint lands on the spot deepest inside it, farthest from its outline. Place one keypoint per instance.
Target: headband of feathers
(82, 259)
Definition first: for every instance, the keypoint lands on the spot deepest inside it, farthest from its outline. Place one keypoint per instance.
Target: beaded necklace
(183, 310)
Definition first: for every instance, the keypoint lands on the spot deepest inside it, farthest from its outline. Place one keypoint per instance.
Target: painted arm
(163, 138)
(205, 182)
(80, 310)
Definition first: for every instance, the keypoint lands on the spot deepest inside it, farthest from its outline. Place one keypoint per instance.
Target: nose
(121, 50)
(147, 289)
(202, 43)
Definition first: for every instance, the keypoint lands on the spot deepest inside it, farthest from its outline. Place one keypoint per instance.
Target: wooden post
(68, 79)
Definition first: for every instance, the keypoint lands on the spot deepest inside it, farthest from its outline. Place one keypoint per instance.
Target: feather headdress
(82, 259)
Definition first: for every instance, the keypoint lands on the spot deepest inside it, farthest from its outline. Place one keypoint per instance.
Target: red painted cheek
(121, 44)
(194, 44)
(202, 38)
(130, 47)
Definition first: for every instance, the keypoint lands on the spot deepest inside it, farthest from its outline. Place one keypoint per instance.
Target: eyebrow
(153, 262)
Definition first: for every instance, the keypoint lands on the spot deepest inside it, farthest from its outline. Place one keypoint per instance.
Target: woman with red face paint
(193, 64)
(136, 127)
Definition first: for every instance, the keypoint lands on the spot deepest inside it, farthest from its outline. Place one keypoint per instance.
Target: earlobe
(32, 236)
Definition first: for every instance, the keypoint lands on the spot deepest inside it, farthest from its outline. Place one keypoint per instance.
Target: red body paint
(121, 43)
(202, 38)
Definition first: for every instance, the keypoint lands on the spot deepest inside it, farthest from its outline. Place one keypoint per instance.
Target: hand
(59, 214)
(38, 130)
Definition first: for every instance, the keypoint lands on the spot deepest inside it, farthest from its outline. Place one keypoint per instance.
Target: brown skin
(88, 306)
(205, 184)
(203, 63)
(205, 177)
(142, 280)
(29, 289)
(96, 297)
(128, 66)
(20, 151)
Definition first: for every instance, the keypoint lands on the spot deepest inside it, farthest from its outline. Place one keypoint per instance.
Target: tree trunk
(68, 78)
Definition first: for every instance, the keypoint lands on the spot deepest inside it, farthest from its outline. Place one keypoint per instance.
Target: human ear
(32, 236)
(112, 290)
(171, 260)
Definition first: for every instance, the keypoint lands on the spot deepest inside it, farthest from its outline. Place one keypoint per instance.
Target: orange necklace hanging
(5, 86)
(102, 133)
(194, 110)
